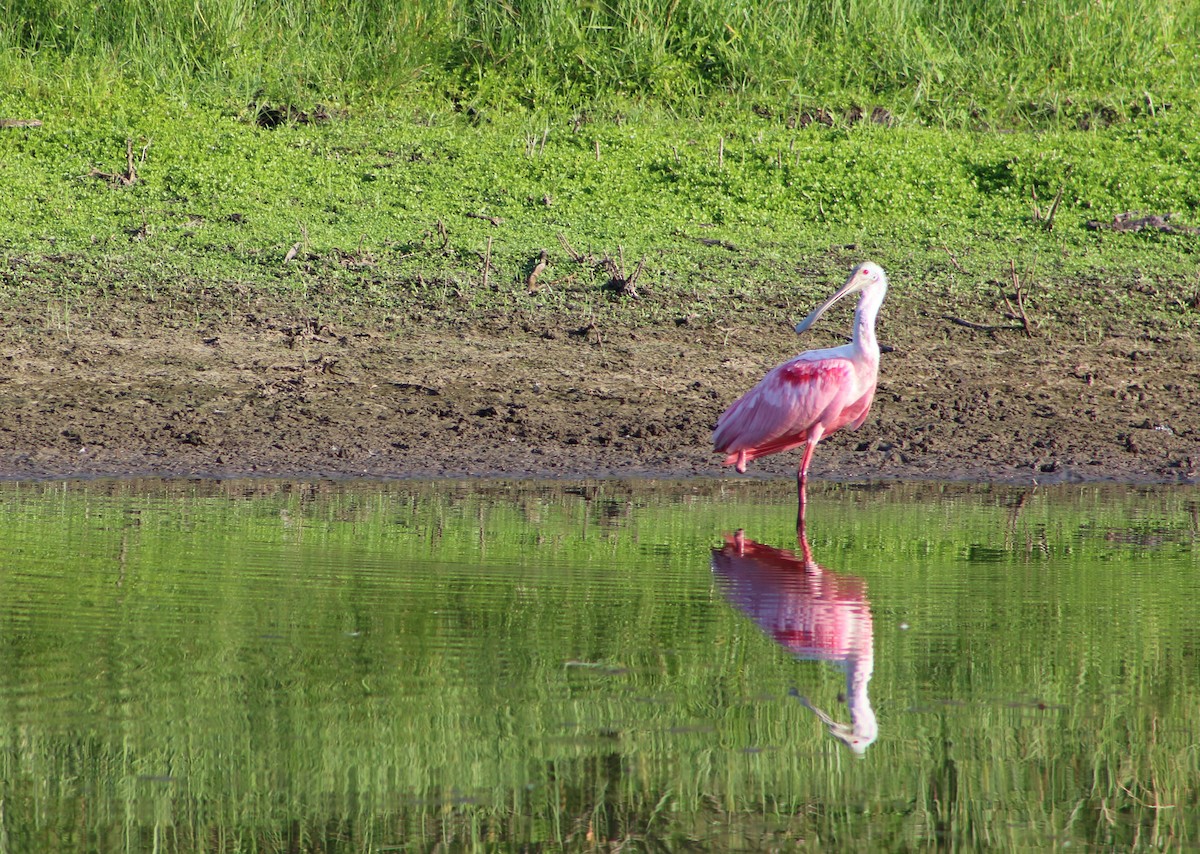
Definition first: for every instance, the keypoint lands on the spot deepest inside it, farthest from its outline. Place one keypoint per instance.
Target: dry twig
(1054, 208)
(980, 327)
(487, 262)
(531, 283)
(129, 176)
(577, 257)
(953, 260)
(626, 285)
(618, 280)
(1133, 221)
(724, 244)
(1012, 267)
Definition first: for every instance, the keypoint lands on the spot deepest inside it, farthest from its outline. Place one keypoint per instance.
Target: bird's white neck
(864, 325)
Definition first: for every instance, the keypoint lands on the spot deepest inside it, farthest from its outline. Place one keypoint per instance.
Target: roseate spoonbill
(815, 614)
(808, 397)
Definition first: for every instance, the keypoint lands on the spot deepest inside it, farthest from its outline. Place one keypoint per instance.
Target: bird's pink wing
(777, 413)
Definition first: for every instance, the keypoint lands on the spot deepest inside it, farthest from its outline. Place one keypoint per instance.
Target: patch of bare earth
(133, 390)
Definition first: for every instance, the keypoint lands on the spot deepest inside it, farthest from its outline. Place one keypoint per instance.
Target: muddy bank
(135, 389)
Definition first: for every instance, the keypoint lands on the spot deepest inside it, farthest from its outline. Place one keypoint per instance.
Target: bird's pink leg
(814, 436)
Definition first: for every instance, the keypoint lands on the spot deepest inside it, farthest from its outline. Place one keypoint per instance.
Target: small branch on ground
(618, 280)
(625, 285)
(20, 123)
(494, 220)
(1134, 221)
(953, 260)
(1054, 208)
(1012, 267)
(543, 261)
(129, 177)
(979, 327)
(487, 262)
(724, 244)
(577, 257)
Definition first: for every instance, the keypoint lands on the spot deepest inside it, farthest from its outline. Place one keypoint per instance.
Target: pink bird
(807, 398)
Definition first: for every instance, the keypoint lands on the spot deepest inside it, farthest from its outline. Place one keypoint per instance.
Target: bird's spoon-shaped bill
(853, 284)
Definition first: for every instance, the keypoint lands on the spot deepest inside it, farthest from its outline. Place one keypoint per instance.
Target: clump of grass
(941, 61)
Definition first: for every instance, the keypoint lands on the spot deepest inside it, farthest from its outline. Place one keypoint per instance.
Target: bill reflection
(815, 614)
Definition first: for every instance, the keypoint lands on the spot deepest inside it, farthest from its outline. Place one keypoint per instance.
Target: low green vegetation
(432, 213)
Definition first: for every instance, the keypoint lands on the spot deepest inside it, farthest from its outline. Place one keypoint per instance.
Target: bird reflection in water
(816, 614)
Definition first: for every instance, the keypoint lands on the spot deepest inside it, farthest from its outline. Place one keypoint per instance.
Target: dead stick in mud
(494, 220)
(1054, 208)
(624, 283)
(570, 250)
(629, 288)
(487, 262)
(531, 283)
(1012, 267)
(129, 177)
(953, 260)
(979, 327)
(302, 243)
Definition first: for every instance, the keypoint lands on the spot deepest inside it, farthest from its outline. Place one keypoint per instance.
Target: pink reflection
(816, 614)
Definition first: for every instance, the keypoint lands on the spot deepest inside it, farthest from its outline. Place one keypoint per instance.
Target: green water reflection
(262, 666)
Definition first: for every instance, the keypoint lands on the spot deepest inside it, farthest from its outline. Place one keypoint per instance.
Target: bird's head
(867, 278)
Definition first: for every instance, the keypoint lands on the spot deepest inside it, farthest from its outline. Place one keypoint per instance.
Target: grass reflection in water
(252, 665)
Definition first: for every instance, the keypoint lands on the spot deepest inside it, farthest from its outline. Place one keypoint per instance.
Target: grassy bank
(728, 148)
(999, 61)
(432, 213)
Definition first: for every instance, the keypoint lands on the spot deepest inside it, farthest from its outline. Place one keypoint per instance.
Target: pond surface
(268, 666)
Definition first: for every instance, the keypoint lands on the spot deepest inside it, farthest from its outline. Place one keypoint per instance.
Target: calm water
(262, 666)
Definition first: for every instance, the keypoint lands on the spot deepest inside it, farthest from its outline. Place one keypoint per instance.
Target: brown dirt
(135, 389)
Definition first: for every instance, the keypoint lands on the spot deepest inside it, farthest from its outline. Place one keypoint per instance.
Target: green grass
(733, 212)
(998, 60)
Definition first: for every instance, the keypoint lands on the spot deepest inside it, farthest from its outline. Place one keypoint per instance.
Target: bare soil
(136, 389)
